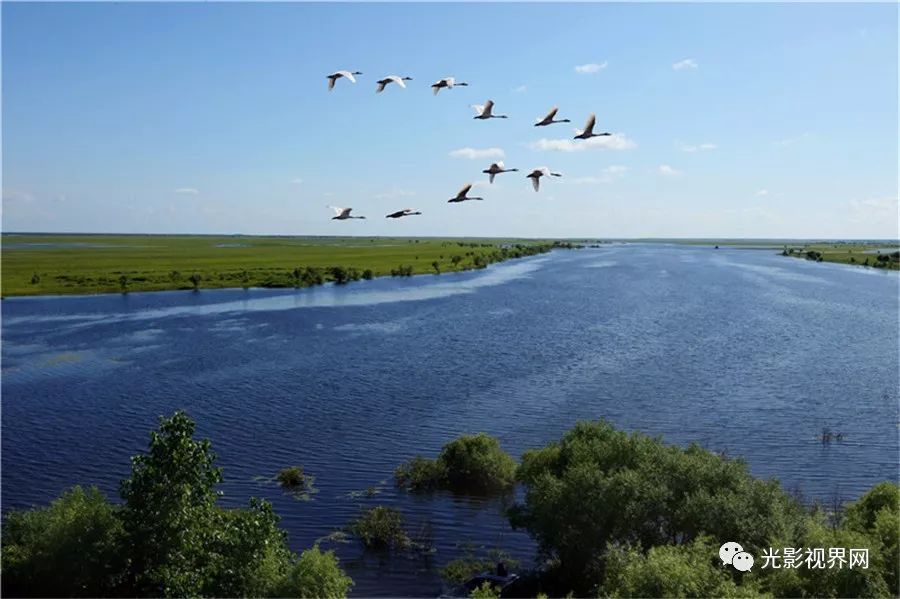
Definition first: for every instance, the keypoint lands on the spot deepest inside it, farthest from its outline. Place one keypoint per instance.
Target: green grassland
(875, 255)
(44, 264)
(860, 253)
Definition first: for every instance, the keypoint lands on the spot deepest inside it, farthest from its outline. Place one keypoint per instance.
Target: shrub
(469, 464)
(599, 486)
(73, 547)
(485, 591)
(317, 574)
(669, 571)
(35, 279)
(368, 274)
(476, 463)
(421, 474)
(380, 528)
(195, 280)
(291, 478)
(460, 570)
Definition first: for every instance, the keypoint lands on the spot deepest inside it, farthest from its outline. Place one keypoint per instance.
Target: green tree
(71, 548)
(170, 513)
(195, 280)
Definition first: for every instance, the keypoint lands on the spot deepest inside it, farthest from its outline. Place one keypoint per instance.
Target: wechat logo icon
(733, 554)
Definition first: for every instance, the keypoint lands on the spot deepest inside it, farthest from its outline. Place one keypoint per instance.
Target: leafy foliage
(468, 464)
(485, 591)
(170, 538)
(70, 548)
(380, 528)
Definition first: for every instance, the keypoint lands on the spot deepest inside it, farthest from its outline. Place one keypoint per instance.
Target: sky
(729, 120)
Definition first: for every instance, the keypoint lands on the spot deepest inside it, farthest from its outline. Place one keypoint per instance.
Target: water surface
(745, 352)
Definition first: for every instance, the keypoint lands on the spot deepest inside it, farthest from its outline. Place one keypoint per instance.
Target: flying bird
(549, 119)
(382, 83)
(461, 196)
(343, 213)
(536, 175)
(338, 74)
(589, 129)
(497, 168)
(402, 213)
(486, 112)
(446, 82)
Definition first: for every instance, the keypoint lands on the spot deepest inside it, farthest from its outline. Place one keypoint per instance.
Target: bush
(317, 574)
(368, 274)
(291, 478)
(70, 548)
(168, 539)
(485, 591)
(380, 528)
(469, 464)
(476, 463)
(599, 486)
(669, 571)
(421, 474)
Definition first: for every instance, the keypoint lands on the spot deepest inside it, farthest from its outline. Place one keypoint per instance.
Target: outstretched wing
(489, 107)
(380, 87)
(462, 192)
(348, 75)
(399, 81)
(491, 177)
(589, 126)
(450, 81)
(479, 109)
(331, 81)
(536, 182)
(551, 114)
(498, 164)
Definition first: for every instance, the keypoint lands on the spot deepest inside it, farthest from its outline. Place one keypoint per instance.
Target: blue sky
(731, 120)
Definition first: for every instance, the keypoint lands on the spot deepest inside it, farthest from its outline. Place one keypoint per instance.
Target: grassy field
(861, 253)
(70, 264)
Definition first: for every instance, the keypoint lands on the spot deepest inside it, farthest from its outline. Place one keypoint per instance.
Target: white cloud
(616, 141)
(607, 175)
(188, 191)
(394, 194)
(521, 89)
(704, 147)
(590, 68)
(668, 171)
(762, 192)
(297, 181)
(475, 154)
(687, 63)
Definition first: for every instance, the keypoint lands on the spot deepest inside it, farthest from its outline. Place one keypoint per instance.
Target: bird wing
(551, 114)
(435, 88)
(488, 107)
(450, 81)
(348, 75)
(337, 211)
(380, 87)
(535, 182)
(331, 81)
(589, 126)
(491, 177)
(346, 212)
(498, 164)
(462, 192)
(479, 109)
(397, 80)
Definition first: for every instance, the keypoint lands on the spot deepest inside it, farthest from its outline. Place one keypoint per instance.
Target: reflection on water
(741, 351)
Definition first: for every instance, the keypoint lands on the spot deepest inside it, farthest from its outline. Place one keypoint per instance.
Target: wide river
(741, 351)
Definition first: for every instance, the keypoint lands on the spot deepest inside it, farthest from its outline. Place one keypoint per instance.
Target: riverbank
(89, 264)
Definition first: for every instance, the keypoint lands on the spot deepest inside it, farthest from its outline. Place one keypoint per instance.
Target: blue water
(742, 351)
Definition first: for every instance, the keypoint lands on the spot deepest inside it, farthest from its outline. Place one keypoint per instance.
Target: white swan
(461, 196)
(338, 74)
(549, 119)
(486, 112)
(589, 129)
(446, 82)
(496, 168)
(382, 83)
(536, 175)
